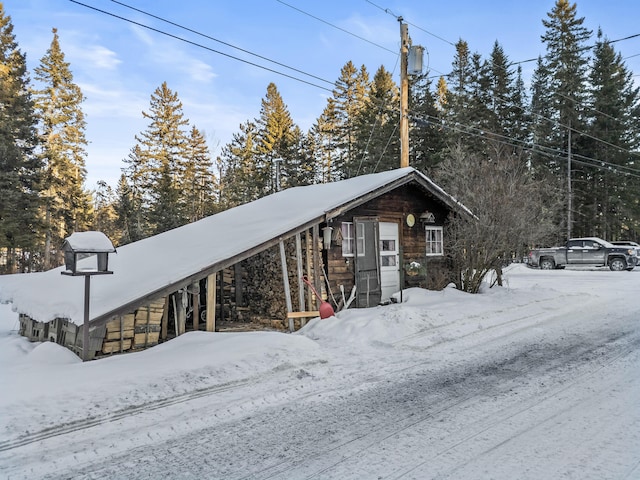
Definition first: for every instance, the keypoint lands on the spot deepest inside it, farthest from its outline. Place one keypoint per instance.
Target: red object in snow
(325, 310)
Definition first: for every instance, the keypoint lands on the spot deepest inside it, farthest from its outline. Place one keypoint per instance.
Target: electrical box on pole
(416, 54)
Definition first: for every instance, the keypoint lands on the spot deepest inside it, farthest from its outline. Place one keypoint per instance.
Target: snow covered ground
(538, 379)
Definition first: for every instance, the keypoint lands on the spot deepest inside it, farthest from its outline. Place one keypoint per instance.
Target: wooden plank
(285, 279)
(308, 256)
(164, 323)
(300, 272)
(211, 303)
(310, 314)
(145, 339)
(195, 302)
(115, 346)
(128, 321)
(111, 335)
(316, 260)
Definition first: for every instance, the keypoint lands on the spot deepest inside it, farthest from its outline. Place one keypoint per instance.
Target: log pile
(137, 330)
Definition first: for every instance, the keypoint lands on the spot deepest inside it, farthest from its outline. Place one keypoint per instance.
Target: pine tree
(242, 179)
(129, 210)
(348, 97)
(155, 169)
(105, 217)
(566, 62)
(62, 126)
(302, 167)
(276, 134)
(19, 166)
(200, 186)
(324, 135)
(609, 203)
(545, 159)
(426, 135)
(376, 127)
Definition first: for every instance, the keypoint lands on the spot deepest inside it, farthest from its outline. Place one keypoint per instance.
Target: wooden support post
(211, 303)
(285, 279)
(316, 261)
(300, 273)
(182, 313)
(308, 256)
(164, 326)
(121, 333)
(195, 301)
(237, 280)
(221, 283)
(146, 327)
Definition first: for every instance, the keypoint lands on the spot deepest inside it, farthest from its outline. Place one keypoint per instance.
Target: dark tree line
(478, 131)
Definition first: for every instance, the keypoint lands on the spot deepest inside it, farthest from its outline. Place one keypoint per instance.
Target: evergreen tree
(200, 186)
(158, 164)
(129, 210)
(324, 135)
(302, 168)
(242, 179)
(377, 145)
(275, 147)
(19, 166)
(545, 158)
(348, 97)
(58, 103)
(566, 62)
(426, 135)
(609, 203)
(105, 217)
(460, 113)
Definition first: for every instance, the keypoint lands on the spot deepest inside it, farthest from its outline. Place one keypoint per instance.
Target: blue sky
(118, 64)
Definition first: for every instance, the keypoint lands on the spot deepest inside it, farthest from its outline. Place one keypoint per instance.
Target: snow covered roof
(89, 242)
(146, 267)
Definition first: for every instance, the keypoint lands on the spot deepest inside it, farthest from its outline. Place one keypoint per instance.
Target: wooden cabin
(370, 236)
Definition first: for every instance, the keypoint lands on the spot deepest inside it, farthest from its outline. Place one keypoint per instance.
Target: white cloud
(98, 56)
(198, 71)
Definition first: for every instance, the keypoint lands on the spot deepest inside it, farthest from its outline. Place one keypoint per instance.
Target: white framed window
(349, 239)
(434, 240)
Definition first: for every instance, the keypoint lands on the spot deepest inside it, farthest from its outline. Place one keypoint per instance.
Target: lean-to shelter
(376, 232)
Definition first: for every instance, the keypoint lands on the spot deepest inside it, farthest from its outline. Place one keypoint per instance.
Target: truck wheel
(617, 265)
(547, 264)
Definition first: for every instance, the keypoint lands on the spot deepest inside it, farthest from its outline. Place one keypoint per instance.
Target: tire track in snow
(498, 427)
(75, 426)
(318, 464)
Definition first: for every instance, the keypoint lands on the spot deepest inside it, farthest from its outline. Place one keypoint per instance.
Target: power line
(200, 45)
(336, 27)
(300, 71)
(220, 41)
(514, 142)
(386, 10)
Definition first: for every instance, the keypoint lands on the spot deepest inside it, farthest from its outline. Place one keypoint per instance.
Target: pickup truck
(591, 251)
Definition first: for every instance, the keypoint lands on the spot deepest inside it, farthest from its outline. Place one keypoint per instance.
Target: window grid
(434, 241)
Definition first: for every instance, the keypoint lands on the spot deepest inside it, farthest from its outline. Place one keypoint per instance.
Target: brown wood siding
(394, 206)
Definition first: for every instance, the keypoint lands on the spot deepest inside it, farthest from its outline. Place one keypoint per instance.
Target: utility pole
(569, 193)
(405, 43)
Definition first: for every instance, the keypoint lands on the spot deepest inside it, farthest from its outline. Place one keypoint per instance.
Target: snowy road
(544, 388)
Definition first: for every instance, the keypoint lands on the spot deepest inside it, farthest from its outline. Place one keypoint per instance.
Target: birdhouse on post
(87, 253)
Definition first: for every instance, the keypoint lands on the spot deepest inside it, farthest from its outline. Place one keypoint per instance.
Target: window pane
(434, 240)
(347, 238)
(360, 240)
(388, 260)
(388, 245)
